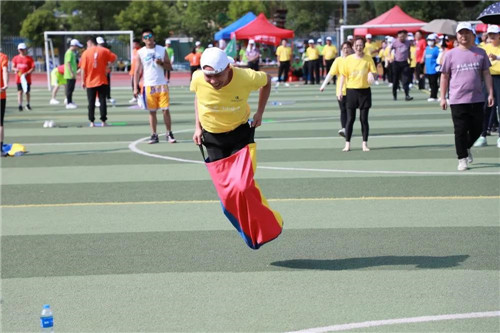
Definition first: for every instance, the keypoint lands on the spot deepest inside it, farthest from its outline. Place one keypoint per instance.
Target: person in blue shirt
(430, 56)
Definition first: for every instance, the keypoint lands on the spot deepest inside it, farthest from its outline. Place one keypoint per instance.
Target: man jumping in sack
(223, 127)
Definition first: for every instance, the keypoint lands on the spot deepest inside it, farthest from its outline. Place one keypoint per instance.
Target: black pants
(253, 65)
(3, 104)
(362, 99)
(222, 145)
(468, 123)
(321, 67)
(108, 86)
(313, 71)
(91, 93)
(305, 68)
(343, 112)
(168, 75)
(329, 64)
(433, 83)
(283, 69)
(400, 71)
(193, 69)
(419, 70)
(388, 71)
(70, 88)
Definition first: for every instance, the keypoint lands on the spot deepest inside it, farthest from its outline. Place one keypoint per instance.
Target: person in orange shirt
(94, 64)
(4, 84)
(194, 60)
(136, 45)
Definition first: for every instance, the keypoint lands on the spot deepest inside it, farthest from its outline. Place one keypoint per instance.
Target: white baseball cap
(198, 43)
(99, 40)
(311, 41)
(411, 38)
(21, 46)
(329, 38)
(319, 40)
(432, 37)
(369, 36)
(215, 58)
(75, 42)
(493, 29)
(251, 41)
(167, 41)
(350, 37)
(464, 25)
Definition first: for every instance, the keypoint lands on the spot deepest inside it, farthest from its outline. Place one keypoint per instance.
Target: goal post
(49, 45)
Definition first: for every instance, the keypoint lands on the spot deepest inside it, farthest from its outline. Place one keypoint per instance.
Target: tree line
(201, 19)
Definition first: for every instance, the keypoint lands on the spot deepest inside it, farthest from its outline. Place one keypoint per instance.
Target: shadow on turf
(357, 263)
(414, 147)
(79, 152)
(484, 165)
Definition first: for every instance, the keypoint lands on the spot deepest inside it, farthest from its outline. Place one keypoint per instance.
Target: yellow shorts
(56, 78)
(156, 97)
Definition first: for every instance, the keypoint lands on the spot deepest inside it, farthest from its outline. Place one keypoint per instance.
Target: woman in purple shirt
(463, 70)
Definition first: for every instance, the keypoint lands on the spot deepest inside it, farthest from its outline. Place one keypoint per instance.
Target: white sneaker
(431, 99)
(377, 83)
(498, 143)
(97, 103)
(470, 159)
(389, 85)
(71, 106)
(462, 164)
(342, 132)
(286, 84)
(112, 101)
(53, 101)
(65, 101)
(410, 85)
(277, 84)
(481, 142)
(133, 100)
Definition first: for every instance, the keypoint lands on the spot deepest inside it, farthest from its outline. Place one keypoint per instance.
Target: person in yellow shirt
(320, 47)
(357, 73)
(313, 62)
(381, 56)
(493, 51)
(283, 55)
(413, 60)
(371, 50)
(329, 54)
(346, 51)
(388, 59)
(221, 104)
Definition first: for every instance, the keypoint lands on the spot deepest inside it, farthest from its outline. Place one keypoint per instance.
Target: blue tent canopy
(242, 21)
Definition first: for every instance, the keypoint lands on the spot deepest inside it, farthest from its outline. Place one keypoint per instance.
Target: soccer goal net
(57, 42)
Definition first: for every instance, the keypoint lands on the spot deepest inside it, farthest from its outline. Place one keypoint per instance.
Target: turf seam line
(175, 202)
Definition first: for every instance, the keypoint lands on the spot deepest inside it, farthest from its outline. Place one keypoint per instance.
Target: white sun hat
(99, 40)
(215, 58)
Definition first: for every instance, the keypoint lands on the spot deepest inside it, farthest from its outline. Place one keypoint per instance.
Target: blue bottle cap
(46, 306)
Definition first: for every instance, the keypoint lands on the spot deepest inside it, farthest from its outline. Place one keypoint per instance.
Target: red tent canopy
(395, 15)
(262, 31)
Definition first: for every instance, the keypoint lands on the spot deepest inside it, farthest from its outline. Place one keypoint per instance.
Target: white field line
(410, 320)
(133, 147)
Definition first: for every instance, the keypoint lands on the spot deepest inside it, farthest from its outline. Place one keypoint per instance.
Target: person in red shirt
(4, 84)
(194, 60)
(136, 47)
(23, 64)
(420, 45)
(94, 64)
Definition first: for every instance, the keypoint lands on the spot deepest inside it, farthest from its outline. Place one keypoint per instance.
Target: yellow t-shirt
(225, 109)
(356, 71)
(336, 70)
(370, 48)
(312, 53)
(495, 64)
(381, 54)
(329, 52)
(413, 54)
(387, 52)
(284, 53)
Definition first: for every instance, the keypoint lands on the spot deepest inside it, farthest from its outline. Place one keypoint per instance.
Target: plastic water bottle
(47, 319)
